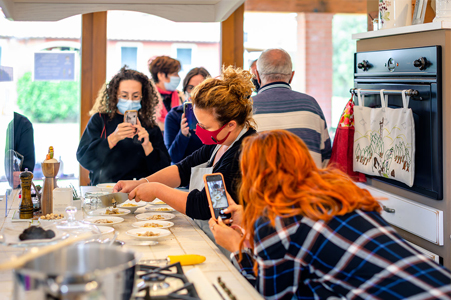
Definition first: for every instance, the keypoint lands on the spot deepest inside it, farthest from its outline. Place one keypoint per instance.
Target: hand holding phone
(216, 194)
(189, 115)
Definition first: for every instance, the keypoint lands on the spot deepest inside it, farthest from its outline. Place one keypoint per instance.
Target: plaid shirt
(355, 256)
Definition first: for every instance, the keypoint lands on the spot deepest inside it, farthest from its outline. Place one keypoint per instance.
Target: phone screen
(131, 117)
(216, 189)
(189, 115)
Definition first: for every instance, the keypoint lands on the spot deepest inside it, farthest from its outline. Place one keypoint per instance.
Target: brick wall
(316, 29)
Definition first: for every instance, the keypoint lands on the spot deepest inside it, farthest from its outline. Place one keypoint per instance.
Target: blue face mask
(123, 105)
(172, 84)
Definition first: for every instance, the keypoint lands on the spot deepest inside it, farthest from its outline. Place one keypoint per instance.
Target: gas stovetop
(168, 282)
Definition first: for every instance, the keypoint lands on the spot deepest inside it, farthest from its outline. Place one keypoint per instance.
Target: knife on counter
(184, 259)
(109, 199)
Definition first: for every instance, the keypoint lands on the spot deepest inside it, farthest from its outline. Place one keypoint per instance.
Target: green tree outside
(48, 101)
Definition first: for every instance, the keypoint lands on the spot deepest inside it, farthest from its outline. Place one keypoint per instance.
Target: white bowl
(162, 209)
(161, 233)
(116, 220)
(158, 202)
(106, 187)
(164, 224)
(102, 212)
(146, 216)
(132, 209)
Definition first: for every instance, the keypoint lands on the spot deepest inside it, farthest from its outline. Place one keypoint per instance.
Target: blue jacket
(179, 146)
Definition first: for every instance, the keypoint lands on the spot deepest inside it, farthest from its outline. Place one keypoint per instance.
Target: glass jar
(442, 10)
(91, 202)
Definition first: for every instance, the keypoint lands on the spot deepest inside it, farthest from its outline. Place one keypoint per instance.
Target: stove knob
(364, 65)
(421, 63)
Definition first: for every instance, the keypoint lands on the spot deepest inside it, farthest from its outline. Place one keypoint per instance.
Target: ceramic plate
(10, 237)
(116, 220)
(160, 233)
(157, 202)
(133, 202)
(152, 216)
(163, 224)
(166, 208)
(105, 229)
(102, 212)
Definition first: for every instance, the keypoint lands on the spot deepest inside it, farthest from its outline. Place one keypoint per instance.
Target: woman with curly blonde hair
(309, 233)
(112, 149)
(223, 109)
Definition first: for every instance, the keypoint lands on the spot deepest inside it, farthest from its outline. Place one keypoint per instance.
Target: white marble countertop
(402, 30)
(186, 238)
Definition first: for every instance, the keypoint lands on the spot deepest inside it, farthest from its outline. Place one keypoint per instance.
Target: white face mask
(172, 84)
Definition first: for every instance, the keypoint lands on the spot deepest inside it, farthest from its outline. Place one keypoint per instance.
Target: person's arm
(151, 190)
(176, 142)
(159, 158)
(92, 149)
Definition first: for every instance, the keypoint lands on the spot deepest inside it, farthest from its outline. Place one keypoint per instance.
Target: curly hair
(228, 96)
(280, 179)
(107, 99)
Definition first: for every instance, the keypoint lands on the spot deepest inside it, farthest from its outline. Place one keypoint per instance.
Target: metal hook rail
(411, 93)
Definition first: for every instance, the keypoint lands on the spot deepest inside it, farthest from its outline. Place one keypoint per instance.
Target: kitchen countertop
(186, 238)
(402, 30)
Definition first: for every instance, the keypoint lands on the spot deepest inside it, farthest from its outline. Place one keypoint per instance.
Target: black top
(127, 160)
(22, 140)
(167, 101)
(228, 166)
(179, 146)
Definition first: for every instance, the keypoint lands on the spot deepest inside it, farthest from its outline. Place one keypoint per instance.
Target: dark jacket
(228, 166)
(126, 160)
(179, 146)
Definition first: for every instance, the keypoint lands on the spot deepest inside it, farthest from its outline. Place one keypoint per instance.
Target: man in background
(277, 106)
(19, 150)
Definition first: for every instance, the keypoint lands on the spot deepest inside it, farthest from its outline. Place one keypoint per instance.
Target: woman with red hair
(313, 234)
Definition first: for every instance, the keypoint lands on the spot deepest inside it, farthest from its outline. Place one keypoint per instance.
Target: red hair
(280, 179)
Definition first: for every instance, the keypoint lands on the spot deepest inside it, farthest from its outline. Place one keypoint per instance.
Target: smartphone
(216, 194)
(131, 116)
(189, 115)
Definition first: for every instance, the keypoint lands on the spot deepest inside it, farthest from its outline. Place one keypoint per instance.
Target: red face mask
(210, 137)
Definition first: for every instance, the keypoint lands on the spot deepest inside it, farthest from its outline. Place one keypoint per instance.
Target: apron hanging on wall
(197, 182)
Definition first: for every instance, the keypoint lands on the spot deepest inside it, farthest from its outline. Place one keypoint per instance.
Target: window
(0, 56)
(129, 57)
(184, 56)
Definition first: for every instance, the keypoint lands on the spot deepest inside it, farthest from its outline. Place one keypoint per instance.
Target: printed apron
(197, 182)
(384, 140)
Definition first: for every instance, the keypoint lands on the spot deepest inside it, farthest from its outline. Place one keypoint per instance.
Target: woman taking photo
(224, 112)
(112, 149)
(178, 138)
(315, 234)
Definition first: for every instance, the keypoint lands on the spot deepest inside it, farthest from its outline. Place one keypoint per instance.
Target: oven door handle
(388, 209)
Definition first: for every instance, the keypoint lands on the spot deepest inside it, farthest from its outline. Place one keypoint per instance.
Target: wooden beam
(232, 42)
(323, 6)
(93, 68)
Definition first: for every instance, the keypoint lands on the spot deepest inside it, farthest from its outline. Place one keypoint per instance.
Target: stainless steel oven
(419, 71)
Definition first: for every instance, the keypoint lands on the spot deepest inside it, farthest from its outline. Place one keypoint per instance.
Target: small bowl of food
(165, 208)
(110, 211)
(155, 216)
(153, 224)
(148, 233)
(132, 205)
(51, 218)
(104, 221)
(106, 187)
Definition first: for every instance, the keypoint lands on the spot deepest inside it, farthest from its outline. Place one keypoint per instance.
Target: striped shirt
(276, 106)
(354, 256)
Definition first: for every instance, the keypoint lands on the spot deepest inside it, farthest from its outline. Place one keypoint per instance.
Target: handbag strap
(405, 99)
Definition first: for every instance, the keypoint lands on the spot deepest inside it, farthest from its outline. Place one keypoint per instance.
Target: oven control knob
(364, 65)
(421, 63)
